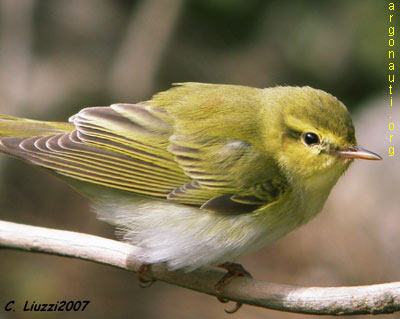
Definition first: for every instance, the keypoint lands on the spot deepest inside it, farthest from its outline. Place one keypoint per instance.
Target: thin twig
(373, 299)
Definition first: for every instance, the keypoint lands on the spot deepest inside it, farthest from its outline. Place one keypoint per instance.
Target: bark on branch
(373, 299)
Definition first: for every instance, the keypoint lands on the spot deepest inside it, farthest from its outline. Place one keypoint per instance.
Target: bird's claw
(233, 270)
(144, 283)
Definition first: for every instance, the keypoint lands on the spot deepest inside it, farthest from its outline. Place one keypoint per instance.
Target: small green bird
(202, 174)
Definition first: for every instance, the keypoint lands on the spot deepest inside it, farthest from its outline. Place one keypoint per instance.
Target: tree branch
(373, 299)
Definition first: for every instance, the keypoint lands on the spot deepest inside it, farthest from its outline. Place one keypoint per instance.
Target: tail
(15, 128)
(11, 126)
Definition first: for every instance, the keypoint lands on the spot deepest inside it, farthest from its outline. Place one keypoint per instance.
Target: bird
(201, 174)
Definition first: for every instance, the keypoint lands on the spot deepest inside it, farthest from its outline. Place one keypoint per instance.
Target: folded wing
(122, 146)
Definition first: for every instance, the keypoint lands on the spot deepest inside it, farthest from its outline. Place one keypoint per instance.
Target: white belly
(187, 237)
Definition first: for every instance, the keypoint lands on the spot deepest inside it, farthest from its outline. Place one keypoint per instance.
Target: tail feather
(20, 127)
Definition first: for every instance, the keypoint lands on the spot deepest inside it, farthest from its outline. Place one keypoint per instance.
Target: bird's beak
(357, 152)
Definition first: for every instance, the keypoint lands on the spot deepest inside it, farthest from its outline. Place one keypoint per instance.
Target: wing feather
(108, 149)
(220, 177)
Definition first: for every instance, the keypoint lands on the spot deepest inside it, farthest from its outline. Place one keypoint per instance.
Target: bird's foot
(234, 270)
(143, 282)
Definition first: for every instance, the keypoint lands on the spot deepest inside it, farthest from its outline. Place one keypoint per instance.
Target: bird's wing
(217, 141)
(122, 146)
(228, 178)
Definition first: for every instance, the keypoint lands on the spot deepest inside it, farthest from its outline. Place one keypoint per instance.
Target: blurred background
(57, 57)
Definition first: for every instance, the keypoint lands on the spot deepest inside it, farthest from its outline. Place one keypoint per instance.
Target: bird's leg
(234, 270)
(144, 283)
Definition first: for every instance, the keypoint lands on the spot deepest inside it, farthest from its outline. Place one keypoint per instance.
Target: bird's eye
(310, 139)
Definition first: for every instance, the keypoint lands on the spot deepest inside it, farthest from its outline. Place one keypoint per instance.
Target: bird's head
(317, 139)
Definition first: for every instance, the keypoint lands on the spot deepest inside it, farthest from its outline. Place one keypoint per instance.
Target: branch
(373, 299)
